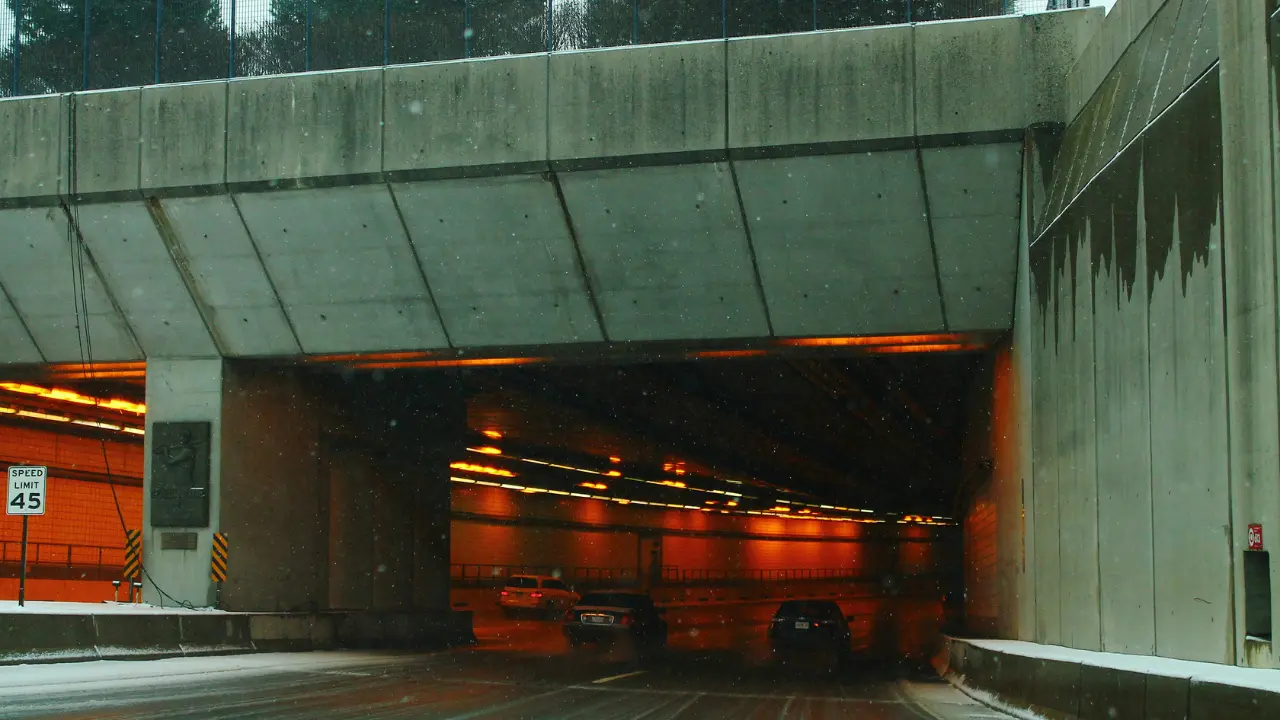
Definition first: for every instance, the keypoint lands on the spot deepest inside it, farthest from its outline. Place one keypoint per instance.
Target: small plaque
(178, 541)
(179, 475)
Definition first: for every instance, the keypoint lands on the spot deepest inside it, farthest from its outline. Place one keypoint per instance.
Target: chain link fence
(49, 46)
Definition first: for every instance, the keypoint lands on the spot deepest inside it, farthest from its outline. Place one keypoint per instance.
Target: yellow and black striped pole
(218, 567)
(132, 558)
(132, 554)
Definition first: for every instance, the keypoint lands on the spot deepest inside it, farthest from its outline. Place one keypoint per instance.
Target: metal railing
(48, 46)
(61, 555)
(484, 575)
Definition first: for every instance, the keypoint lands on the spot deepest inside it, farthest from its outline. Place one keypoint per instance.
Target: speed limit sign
(26, 490)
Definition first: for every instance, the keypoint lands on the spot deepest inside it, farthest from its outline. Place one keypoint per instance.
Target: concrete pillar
(1249, 248)
(352, 527)
(186, 391)
(418, 432)
(257, 433)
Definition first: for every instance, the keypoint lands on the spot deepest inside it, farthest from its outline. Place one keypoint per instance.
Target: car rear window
(522, 582)
(797, 608)
(627, 600)
(553, 584)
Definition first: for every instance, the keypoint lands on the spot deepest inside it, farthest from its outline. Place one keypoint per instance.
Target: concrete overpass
(636, 194)
(650, 194)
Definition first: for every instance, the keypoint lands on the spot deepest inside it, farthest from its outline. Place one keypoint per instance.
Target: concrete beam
(831, 87)
(501, 260)
(227, 277)
(295, 130)
(344, 270)
(37, 273)
(183, 135)
(34, 172)
(140, 274)
(666, 252)
(842, 243)
(107, 128)
(650, 100)
(445, 117)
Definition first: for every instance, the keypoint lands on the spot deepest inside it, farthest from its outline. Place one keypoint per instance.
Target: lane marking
(611, 678)
(506, 705)
(786, 708)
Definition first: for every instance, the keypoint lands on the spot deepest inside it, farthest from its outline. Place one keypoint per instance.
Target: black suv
(810, 627)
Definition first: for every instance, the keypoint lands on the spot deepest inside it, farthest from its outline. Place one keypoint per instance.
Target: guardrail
(94, 561)
(50, 47)
(494, 576)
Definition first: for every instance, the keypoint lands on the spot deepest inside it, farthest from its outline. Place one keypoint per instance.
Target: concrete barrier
(1216, 701)
(32, 638)
(138, 637)
(286, 633)
(215, 634)
(1064, 689)
(404, 630)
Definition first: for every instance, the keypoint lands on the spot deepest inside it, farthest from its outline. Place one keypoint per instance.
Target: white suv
(535, 593)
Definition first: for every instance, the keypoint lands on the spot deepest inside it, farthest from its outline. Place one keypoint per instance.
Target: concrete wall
(1153, 340)
(1130, 462)
(1130, 347)
(1251, 200)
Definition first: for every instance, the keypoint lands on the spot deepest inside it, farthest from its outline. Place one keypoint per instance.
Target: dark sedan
(810, 629)
(602, 618)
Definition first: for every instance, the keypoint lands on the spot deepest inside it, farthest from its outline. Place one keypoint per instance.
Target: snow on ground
(20, 680)
(72, 608)
(1268, 680)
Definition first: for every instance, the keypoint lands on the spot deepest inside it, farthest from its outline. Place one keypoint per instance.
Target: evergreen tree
(121, 43)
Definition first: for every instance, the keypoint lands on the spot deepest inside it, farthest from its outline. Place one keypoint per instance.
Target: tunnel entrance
(722, 487)
(721, 483)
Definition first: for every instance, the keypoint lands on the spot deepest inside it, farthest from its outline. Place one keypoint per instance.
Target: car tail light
(568, 615)
(505, 593)
(536, 595)
(624, 620)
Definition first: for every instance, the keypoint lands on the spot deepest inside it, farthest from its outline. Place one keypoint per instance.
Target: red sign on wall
(1255, 536)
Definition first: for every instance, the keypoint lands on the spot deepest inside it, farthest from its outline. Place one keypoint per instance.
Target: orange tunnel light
(486, 450)
(593, 486)
(71, 396)
(875, 340)
(483, 469)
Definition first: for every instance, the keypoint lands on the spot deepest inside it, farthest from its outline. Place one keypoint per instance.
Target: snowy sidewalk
(1031, 680)
(105, 608)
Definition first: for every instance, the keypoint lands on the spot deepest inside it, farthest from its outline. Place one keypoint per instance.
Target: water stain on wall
(1171, 176)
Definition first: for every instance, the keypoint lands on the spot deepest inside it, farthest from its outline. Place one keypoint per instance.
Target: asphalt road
(715, 668)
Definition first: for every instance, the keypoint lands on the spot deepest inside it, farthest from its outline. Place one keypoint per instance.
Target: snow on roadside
(994, 701)
(1258, 679)
(104, 608)
(21, 680)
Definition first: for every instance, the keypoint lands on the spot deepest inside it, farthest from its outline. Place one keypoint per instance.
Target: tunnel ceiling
(882, 432)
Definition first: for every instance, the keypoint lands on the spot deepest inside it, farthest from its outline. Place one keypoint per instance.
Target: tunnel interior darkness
(884, 433)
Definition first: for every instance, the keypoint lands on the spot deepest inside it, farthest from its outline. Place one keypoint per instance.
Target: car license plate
(802, 625)
(597, 619)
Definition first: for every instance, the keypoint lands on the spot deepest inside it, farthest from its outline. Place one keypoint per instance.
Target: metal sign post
(26, 497)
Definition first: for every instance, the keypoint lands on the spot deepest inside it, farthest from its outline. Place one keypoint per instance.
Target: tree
(353, 33)
(121, 43)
